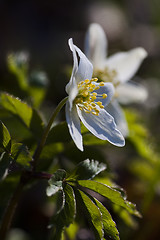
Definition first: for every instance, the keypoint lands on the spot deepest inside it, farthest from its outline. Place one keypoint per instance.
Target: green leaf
(56, 182)
(69, 210)
(113, 195)
(66, 216)
(87, 169)
(20, 154)
(5, 138)
(93, 214)
(30, 117)
(4, 164)
(109, 225)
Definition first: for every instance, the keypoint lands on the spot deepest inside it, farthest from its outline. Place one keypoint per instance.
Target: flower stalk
(46, 132)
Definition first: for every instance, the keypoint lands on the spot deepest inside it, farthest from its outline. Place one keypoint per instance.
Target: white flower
(118, 69)
(86, 102)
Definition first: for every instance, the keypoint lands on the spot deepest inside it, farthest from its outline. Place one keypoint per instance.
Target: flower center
(86, 98)
(107, 75)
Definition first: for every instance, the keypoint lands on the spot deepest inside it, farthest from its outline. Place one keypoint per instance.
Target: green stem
(46, 132)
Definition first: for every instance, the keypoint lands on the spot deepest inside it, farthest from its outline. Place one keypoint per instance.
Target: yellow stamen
(86, 99)
(85, 94)
(87, 81)
(101, 84)
(104, 95)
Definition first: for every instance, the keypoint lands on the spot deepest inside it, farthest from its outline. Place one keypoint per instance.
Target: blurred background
(42, 29)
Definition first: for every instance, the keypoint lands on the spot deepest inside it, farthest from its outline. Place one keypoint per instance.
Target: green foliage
(56, 182)
(108, 223)
(27, 115)
(16, 152)
(113, 195)
(20, 154)
(66, 215)
(146, 165)
(97, 215)
(87, 169)
(78, 196)
(5, 138)
(93, 214)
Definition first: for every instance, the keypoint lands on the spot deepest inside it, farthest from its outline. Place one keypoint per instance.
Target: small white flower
(118, 69)
(86, 102)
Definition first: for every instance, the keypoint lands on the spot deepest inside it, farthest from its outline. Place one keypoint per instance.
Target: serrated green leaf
(93, 214)
(4, 164)
(87, 169)
(69, 209)
(5, 138)
(55, 183)
(113, 195)
(109, 225)
(20, 154)
(29, 117)
(66, 216)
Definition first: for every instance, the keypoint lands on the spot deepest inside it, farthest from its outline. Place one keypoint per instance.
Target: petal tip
(142, 53)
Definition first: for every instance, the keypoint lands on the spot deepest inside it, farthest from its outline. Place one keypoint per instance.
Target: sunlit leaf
(113, 195)
(20, 154)
(55, 183)
(5, 138)
(93, 214)
(66, 216)
(69, 209)
(30, 117)
(87, 169)
(109, 225)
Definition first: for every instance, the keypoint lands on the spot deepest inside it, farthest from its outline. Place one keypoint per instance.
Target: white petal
(131, 92)
(85, 68)
(126, 64)
(96, 44)
(108, 88)
(74, 125)
(102, 126)
(72, 82)
(117, 113)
